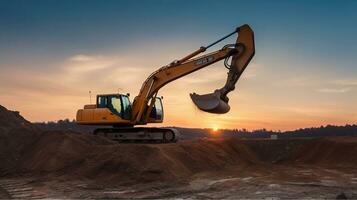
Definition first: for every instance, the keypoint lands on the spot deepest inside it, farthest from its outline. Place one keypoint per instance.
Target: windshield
(126, 107)
(158, 107)
(115, 104)
(157, 111)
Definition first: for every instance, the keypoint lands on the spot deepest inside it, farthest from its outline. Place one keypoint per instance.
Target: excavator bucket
(211, 103)
(217, 102)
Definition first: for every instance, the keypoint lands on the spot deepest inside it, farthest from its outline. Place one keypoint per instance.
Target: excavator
(119, 118)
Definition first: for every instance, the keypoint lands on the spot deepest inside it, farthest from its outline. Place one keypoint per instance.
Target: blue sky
(305, 54)
(89, 25)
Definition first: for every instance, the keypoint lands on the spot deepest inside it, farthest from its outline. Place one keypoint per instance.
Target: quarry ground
(56, 164)
(216, 169)
(280, 182)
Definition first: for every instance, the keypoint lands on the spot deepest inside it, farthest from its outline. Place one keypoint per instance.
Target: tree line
(188, 133)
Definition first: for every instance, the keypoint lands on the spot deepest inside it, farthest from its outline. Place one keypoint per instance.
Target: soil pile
(337, 151)
(12, 120)
(275, 151)
(24, 149)
(81, 156)
(16, 134)
(85, 156)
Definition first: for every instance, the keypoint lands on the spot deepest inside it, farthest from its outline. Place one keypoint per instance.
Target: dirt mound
(82, 156)
(328, 151)
(85, 156)
(275, 151)
(12, 119)
(16, 134)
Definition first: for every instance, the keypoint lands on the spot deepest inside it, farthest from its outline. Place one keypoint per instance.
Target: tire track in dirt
(21, 189)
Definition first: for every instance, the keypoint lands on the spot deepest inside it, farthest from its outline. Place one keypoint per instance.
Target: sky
(304, 72)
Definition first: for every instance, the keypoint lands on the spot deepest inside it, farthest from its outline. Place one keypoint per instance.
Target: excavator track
(139, 134)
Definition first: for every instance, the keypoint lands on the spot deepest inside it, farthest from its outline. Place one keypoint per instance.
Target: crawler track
(140, 134)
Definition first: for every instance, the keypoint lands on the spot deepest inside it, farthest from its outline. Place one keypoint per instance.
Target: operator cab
(157, 112)
(118, 104)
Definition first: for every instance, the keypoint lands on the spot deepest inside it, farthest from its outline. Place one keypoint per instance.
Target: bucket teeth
(211, 103)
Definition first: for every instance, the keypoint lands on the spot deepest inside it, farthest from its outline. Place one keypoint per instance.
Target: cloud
(84, 63)
(334, 90)
(34, 83)
(80, 58)
(104, 73)
(345, 82)
(307, 110)
(296, 81)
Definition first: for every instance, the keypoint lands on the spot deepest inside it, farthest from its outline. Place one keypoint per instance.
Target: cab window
(126, 106)
(102, 102)
(157, 111)
(158, 108)
(115, 105)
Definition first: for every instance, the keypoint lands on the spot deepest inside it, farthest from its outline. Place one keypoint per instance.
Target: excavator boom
(217, 102)
(168, 74)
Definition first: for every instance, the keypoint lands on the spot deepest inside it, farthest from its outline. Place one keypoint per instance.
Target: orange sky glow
(259, 100)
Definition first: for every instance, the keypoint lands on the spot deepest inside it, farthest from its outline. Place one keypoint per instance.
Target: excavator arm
(241, 52)
(217, 102)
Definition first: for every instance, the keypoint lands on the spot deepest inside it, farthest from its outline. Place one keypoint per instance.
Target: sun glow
(215, 129)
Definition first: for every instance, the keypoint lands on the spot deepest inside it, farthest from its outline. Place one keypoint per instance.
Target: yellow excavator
(116, 110)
